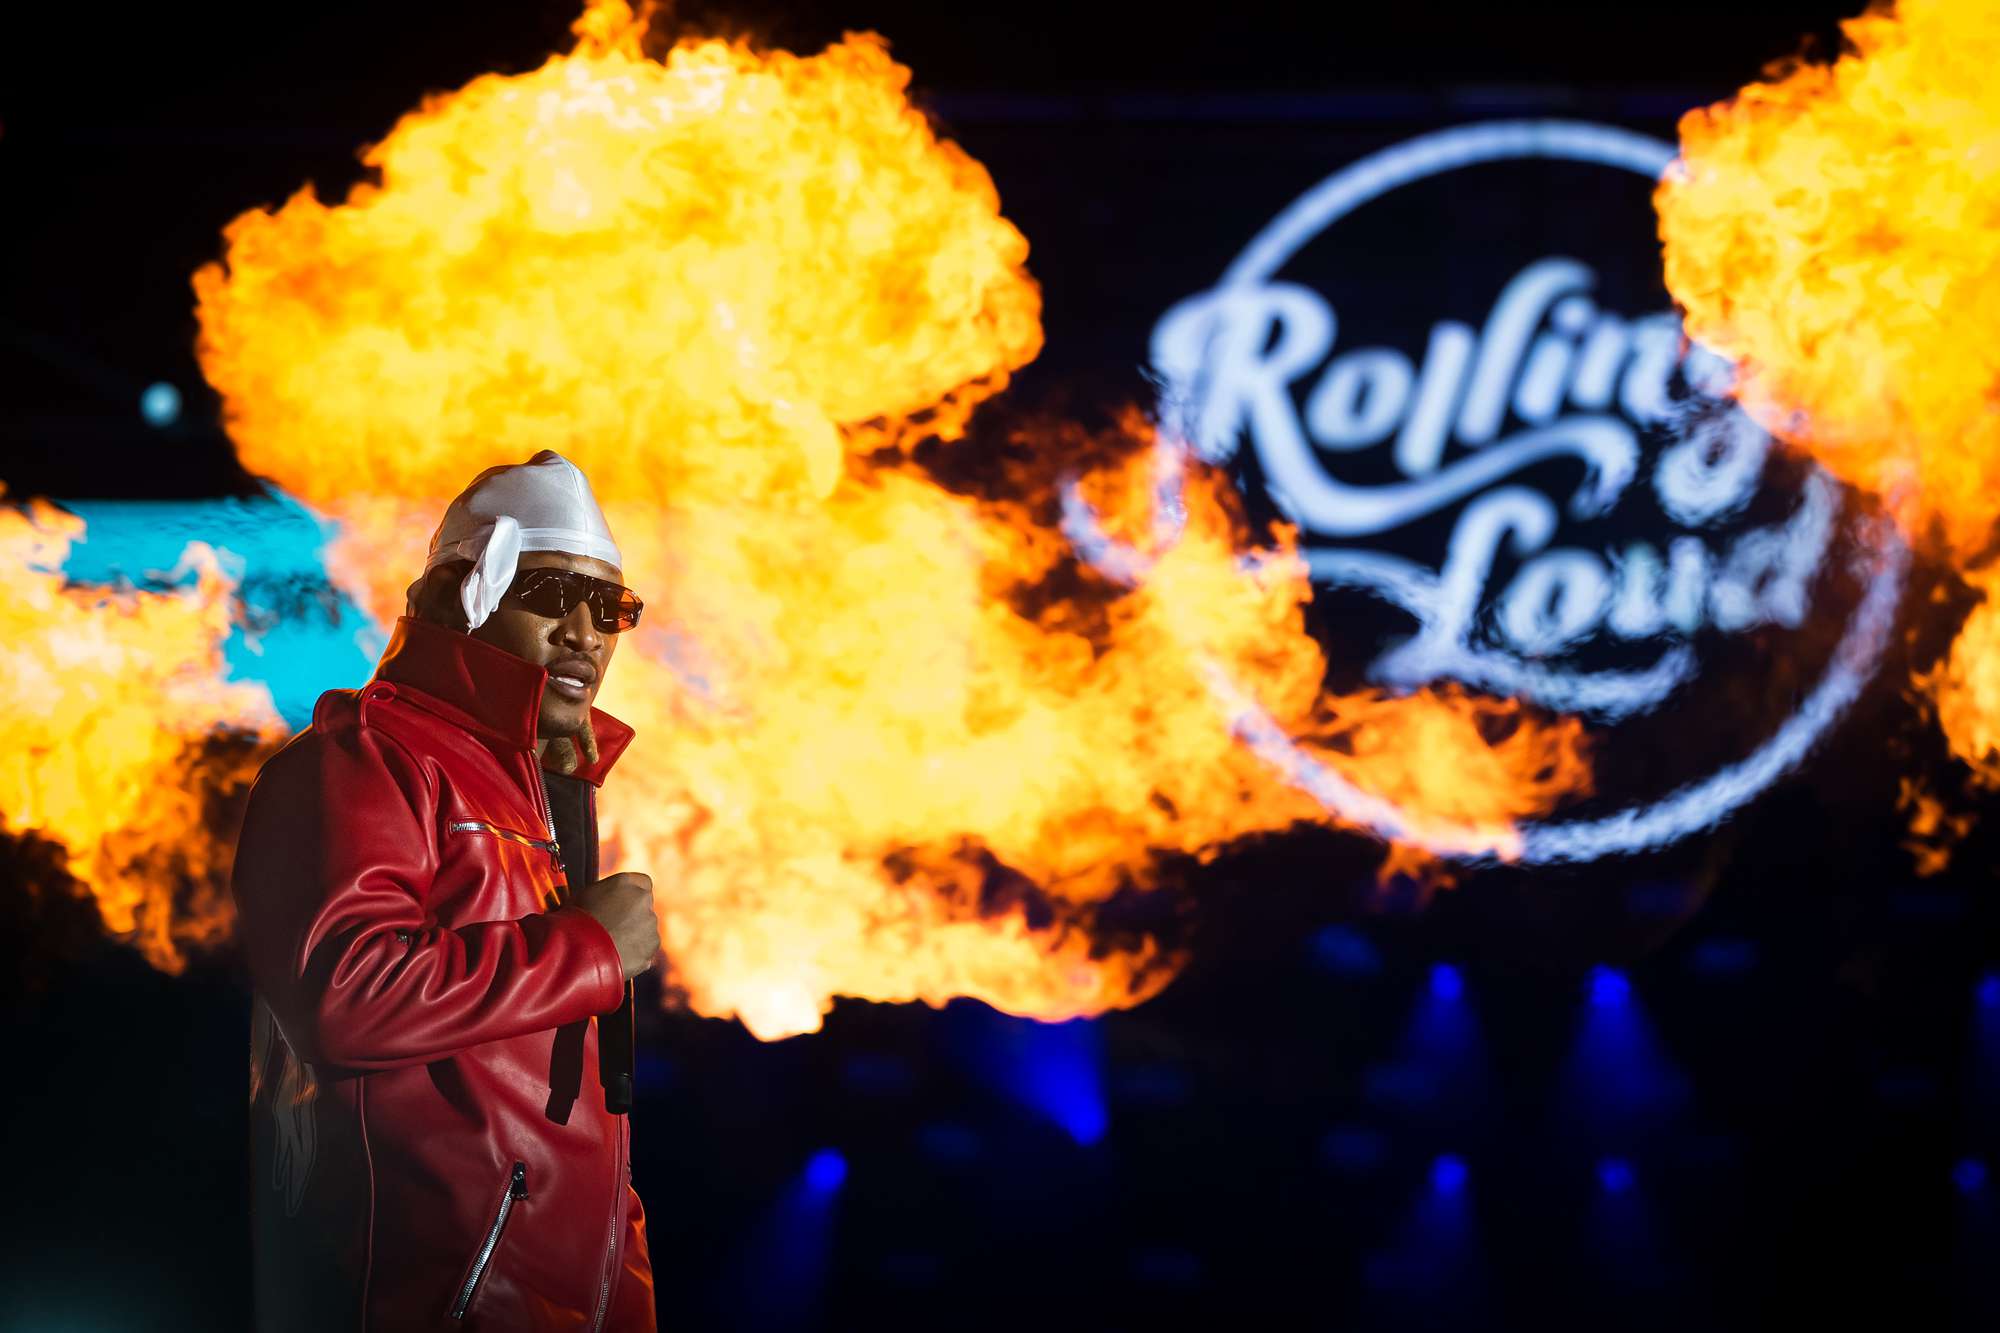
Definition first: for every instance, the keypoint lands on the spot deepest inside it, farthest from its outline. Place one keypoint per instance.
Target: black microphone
(614, 1055)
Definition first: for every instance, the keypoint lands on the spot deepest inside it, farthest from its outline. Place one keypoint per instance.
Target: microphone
(614, 1054)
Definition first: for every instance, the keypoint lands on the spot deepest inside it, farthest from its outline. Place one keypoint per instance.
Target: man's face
(573, 650)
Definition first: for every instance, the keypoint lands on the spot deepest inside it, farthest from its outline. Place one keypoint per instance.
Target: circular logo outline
(1685, 810)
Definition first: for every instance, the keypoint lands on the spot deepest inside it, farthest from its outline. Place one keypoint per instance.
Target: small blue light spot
(1609, 987)
(826, 1171)
(871, 1074)
(1615, 1175)
(1662, 899)
(1403, 1084)
(1448, 1173)
(1969, 1175)
(948, 1142)
(1724, 956)
(1346, 952)
(160, 404)
(1987, 992)
(1447, 982)
(1354, 1149)
(1905, 1087)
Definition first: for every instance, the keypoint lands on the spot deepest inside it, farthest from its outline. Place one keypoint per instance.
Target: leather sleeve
(338, 850)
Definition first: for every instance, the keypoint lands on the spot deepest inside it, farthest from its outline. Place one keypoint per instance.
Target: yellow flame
(892, 743)
(113, 698)
(1836, 230)
(1966, 686)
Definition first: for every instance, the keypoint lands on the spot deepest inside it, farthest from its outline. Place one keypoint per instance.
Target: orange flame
(1935, 830)
(1833, 231)
(892, 742)
(116, 699)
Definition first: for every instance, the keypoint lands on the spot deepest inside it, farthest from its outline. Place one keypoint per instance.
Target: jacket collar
(484, 689)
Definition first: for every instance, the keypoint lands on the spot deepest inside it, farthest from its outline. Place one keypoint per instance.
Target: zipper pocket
(517, 1188)
(508, 835)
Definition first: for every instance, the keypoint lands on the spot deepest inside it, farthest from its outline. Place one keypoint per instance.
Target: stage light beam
(826, 1172)
(1053, 1070)
(1618, 1086)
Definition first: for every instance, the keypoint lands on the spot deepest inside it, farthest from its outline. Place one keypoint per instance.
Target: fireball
(1835, 229)
(895, 740)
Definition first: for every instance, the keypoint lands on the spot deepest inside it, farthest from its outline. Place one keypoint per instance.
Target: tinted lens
(546, 592)
(615, 609)
(552, 592)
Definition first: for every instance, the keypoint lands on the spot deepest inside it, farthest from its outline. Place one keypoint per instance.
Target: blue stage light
(1440, 1073)
(826, 1171)
(1663, 899)
(1968, 1174)
(1618, 1085)
(1905, 1087)
(873, 1074)
(1615, 1175)
(1609, 987)
(1987, 992)
(1353, 1149)
(778, 1275)
(1723, 956)
(1622, 1248)
(1055, 1070)
(160, 404)
(1431, 1272)
(945, 1142)
(1346, 952)
(1985, 1041)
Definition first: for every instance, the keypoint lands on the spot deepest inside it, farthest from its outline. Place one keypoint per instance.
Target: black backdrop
(1804, 1124)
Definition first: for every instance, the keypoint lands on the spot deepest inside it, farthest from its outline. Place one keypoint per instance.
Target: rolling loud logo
(1256, 359)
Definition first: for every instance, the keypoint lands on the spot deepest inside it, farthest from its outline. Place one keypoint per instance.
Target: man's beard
(567, 753)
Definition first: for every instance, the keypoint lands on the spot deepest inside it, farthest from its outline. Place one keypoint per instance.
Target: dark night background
(1276, 1140)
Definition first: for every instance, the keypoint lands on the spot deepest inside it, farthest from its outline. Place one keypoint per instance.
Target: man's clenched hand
(623, 905)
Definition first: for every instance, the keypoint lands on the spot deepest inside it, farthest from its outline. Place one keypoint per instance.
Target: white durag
(544, 504)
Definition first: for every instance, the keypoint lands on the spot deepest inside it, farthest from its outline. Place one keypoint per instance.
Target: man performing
(430, 944)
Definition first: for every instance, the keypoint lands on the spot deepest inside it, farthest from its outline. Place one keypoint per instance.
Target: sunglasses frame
(601, 594)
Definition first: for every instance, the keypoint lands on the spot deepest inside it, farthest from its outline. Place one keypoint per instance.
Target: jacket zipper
(549, 815)
(481, 826)
(517, 1188)
(618, 1181)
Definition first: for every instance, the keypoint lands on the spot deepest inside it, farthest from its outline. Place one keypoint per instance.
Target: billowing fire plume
(1836, 231)
(895, 741)
(121, 732)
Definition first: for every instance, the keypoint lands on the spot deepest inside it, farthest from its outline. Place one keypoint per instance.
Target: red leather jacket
(430, 1147)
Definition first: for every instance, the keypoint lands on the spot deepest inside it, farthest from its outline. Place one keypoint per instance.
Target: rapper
(441, 1036)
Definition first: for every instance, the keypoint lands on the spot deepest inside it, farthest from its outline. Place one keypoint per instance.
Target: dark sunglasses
(552, 592)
